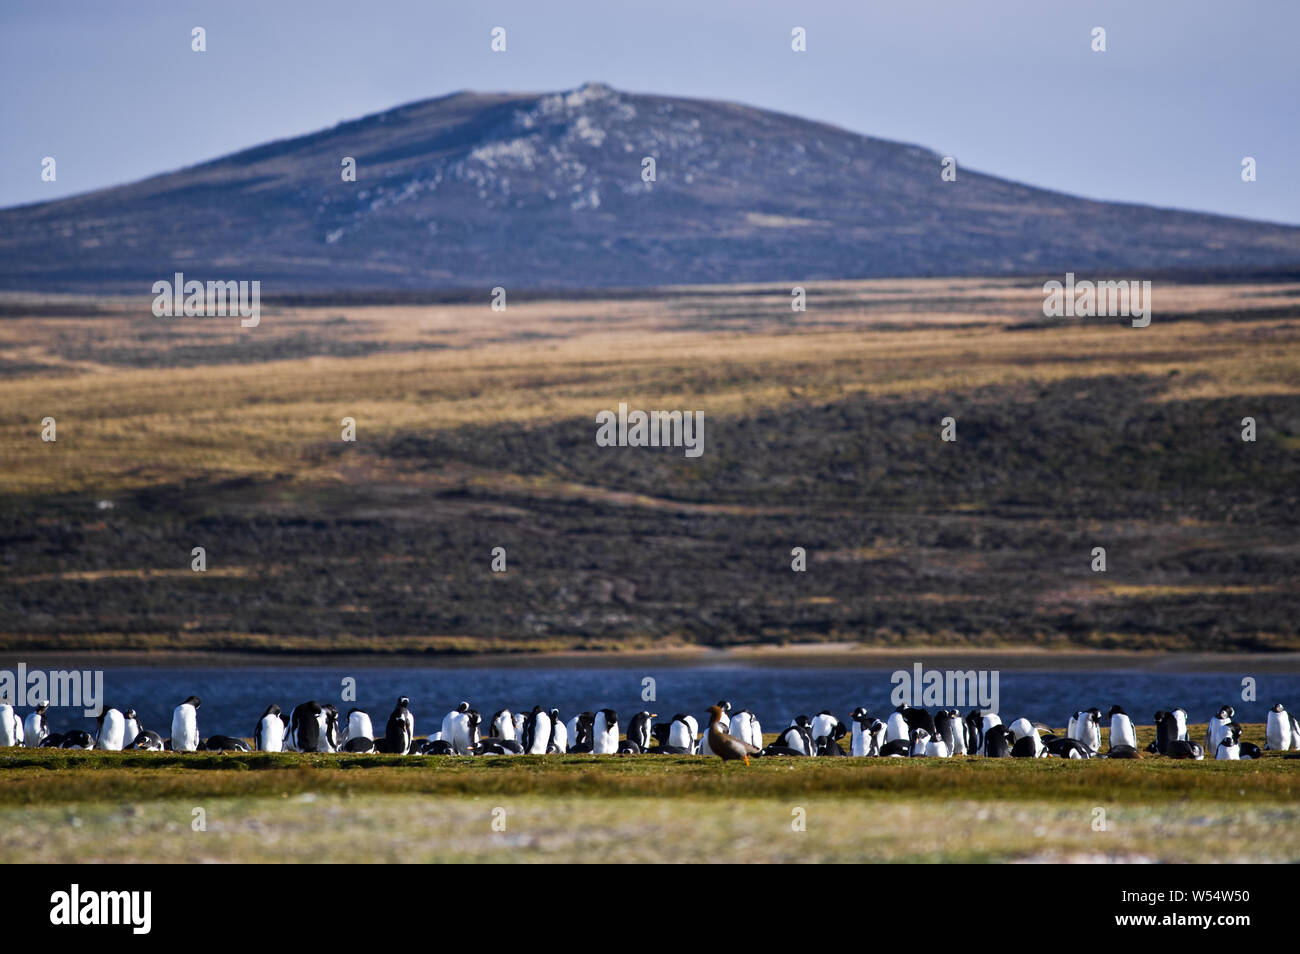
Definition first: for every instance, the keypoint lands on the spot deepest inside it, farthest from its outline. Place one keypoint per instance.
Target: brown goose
(727, 746)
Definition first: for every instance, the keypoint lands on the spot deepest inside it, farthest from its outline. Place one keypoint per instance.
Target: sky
(1184, 91)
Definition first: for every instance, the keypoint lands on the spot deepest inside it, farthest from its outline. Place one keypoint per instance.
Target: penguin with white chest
(400, 730)
(38, 726)
(1121, 729)
(1277, 731)
(638, 730)
(537, 732)
(1228, 750)
(359, 726)
(268, 734)
(132, 728)
(306, 725)
(11, 727)
(185, 725)
(605, 733)
(559, 735)
(1217, 728)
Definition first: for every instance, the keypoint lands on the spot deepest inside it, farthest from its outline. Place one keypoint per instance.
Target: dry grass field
(476, 429)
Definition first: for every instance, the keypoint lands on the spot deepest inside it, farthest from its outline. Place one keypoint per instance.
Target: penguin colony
(904, 733)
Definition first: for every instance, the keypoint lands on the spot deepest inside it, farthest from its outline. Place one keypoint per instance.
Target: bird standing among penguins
(727, 747)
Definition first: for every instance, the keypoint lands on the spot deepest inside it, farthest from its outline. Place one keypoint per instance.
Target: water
(234, 698)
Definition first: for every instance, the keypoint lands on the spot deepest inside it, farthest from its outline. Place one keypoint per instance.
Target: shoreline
(820, 656)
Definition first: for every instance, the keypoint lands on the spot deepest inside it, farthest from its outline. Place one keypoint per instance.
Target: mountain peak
(592, 187)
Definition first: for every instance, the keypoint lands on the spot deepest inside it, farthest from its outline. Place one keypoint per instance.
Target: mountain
(474, 190)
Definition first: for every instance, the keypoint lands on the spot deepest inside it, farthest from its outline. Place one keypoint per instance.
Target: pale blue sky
(1009, 87)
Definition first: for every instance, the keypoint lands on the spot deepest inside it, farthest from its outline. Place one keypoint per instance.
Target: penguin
(638, 730)
(52, 741)
(682, 731)
(1248, 750)
(896, 727)
(1067, 748)
(502, 725)
(1121, 728)
(1185, 749)
(400, 730)
(1277, 731)
(147, 741)
(920, 739)
(1217, 727)
(1123, 752)
(537, 732)
(38, 726)
(1295, 732)
(1021, 728)
(454, 718)
(974, 732)
(826, 724)
(112, 730)
(987, 721)
(1072, 726)
(744, 726)
(1088, 728)
(497, 746)
(224, 743)
(1228, 750)
(358, 726)
(605, 733)
(79, 739)
(1028, 746)
(997, 742)
(937, 746)
(580, 729)
(860, 739)
(1180, 724)
(132, 727)
(268, 735)
(473, 726)
(305, 728)
(11, 727)
(627, 747)
(777, 749)
(826, 746)
(359, 745)
(559, 735)
(329, 728)
(798, 738)
(952, 729)
(1166, 731)
(437, 747)
(185, 726)
(896, 749)
(918, 719)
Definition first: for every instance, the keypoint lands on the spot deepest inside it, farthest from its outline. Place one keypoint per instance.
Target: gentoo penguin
(918, 719)
(52, 741)
(997, 742)
(473, 732)
(1228, 750)
(638, 730)
(147, 741)
(1028, 746)
(359, 726)
(987, 721)
(1088, 728)
(132, 727)
(502, 725)
(1021, 728)
(896, 726)
(974, 732)
(1123, 752)
(452, 719)
(896, 749)
(1121, 728)
(223, 743)
(936, 747)
(78, 739)
(860, 739)
(1185, 749)
(605, 732)
(38, 727)
(742, 727)
(495, 746)
(1166, 732)
(682, 731)
(1277, 731)
(185, 726)
(580, 732)
(359, 745)
(400, 730)
(537, 732)
(1217, 728)
(329, 728)
(952, 729)
(1295, 732)
(11, 727)
(437, 747)
(305, 728)
(559, 735)
(268, 736)
(797, 738)
(112, 731)
(727, 747)
(828, 746)
(1248, 750)
(1066, 748)
(826, 724)
(920, 739)
(1072, 726)
(1180, 724)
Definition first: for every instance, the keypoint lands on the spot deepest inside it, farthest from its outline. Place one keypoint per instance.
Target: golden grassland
(123, 426)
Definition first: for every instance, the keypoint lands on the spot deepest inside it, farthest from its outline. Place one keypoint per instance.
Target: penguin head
(130, 713)
(1278, 708)
(725, 706)
(192, 701)
(403, 702)
(42, 706)
(1116, 710)
(463, 707)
